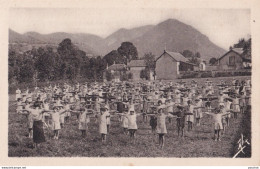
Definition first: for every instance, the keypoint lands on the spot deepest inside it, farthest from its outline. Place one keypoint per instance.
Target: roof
(117, 67)
(238, 51)
(176, 56)
(137, 63)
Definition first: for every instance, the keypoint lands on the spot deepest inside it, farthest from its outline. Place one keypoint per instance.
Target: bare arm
(44, 110)
(113, 111)
(120, 114)
(225, 113)
(170, 115)
(24, 111)
(62, 112)
(168, 105)
(173, 113)
(75, 111)
(209, 113)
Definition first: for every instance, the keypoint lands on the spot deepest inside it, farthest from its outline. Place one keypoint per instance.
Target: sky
(222, 26)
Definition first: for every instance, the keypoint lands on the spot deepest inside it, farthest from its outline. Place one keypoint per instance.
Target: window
(231, 60)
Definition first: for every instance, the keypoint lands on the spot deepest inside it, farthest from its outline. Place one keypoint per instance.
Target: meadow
(196, 143)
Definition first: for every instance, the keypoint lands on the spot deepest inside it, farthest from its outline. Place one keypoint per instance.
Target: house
(169, 65)
(114, 72)
(135, 67)
(234, 59)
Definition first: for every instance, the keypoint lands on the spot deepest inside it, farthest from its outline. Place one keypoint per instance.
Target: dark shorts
(160, 135)
(132, 131)
(181, 122)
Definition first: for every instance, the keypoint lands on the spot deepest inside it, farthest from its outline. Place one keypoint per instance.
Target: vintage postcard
(130, 83)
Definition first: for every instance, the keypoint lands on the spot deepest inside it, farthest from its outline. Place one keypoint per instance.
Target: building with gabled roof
(117, 67)
(135, 67)
(116, 71)
(234, 59)
(169, 65)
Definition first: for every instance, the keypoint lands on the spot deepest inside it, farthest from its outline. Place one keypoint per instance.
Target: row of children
(162, 103)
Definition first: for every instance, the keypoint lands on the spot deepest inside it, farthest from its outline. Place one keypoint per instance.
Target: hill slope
(176, 36)
(173, 34)
(86, 42)
(114, 40)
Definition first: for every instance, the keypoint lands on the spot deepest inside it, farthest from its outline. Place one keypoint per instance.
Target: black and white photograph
(138, 82)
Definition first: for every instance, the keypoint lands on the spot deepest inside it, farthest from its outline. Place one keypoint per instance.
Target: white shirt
(227, 105)
(131, 121)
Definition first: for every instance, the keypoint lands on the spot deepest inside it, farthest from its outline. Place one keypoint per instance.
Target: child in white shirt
(217, 119)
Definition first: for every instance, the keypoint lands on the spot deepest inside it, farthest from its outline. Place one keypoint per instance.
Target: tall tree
(197, 55)
(149, 59)
(65, 48)
(44, 64)
(241, 43)
(247, 48)
(114, 57)
(26, 72)
(12, 57)
(246, 45)
(128, 50)
(212, 61)
(187, 54)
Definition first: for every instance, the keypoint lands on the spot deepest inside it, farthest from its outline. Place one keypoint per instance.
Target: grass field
(196, 143)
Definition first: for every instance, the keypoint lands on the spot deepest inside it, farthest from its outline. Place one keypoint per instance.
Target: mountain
(173, 34)
(15, 37)
(86, 42)
(176, 36)
(115, 39)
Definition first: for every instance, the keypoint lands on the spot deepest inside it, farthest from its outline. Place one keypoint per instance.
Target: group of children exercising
(187, 106)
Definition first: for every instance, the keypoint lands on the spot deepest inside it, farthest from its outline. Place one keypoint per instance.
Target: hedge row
(208, 74)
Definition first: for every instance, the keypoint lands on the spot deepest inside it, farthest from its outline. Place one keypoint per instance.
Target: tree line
(66, 62)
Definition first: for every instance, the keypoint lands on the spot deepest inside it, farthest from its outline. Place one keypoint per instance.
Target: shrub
(206, 74)
(223, 74)
(186, 75)
(130, 75)
(246, 73)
